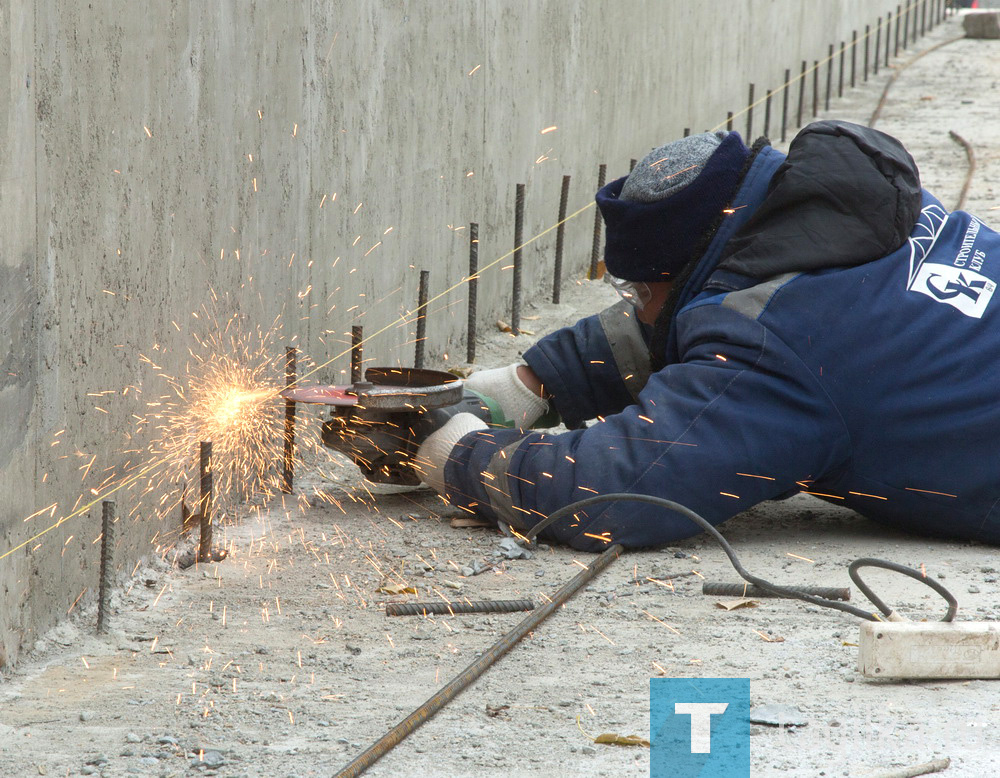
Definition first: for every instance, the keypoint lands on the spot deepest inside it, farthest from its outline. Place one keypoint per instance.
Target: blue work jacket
(804, 354)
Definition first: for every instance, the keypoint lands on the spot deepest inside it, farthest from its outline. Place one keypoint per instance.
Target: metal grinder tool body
(380, 422)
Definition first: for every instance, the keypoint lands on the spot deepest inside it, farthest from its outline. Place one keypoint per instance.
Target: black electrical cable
(780, 590)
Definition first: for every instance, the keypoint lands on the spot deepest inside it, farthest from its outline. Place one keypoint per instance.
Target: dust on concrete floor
(279, 661)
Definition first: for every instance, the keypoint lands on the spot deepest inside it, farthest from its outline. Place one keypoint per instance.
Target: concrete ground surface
(280, 661)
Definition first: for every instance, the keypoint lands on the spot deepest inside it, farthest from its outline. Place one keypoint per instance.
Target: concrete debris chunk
(509, 549)
(775, 715)
(985, 24)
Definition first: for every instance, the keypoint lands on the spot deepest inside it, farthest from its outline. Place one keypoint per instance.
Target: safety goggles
(635, 292)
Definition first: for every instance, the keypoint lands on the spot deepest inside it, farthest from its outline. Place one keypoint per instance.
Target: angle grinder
(381, 421)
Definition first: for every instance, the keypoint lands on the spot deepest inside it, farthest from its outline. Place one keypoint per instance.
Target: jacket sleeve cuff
(477, 480)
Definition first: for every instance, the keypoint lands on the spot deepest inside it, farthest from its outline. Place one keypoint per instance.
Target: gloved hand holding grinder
(515, 389)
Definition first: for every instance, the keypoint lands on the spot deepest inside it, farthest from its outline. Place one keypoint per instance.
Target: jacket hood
(845, 195)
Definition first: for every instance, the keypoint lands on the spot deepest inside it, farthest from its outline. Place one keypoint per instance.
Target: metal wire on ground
(780, 591)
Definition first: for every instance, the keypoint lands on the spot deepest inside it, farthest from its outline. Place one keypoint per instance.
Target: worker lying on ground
(813, 323)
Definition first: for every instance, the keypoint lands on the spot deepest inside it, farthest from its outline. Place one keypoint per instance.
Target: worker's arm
(594, 368)
(739, 421)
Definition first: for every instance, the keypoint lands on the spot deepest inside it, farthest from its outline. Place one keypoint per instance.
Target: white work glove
(433, 453)
(519, 404)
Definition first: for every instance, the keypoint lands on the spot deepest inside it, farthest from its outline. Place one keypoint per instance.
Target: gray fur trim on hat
(670, 168)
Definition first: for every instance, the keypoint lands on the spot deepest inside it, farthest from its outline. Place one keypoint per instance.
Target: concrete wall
(153, 151)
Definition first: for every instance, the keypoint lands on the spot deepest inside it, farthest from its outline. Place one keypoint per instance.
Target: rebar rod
(288, 472)
(418, 346)
(829, 78)
(470, 336)
(840, 81)
(854, 58)
(460, 606)
(784, 103)
(767, 114)
(457, 684)
(515, 295)
(357, 350)
(878, 44)
(595, 250)
(896, 33)
(107, 551)
(720, 589)
(560, 237)
(867, 49)
(750, 115)
(802, 94)
(815, 88)
(205, 471)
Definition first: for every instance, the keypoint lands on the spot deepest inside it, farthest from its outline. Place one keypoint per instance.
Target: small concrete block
(985, 24)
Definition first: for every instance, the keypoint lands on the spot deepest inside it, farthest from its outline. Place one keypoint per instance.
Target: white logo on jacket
(957, 284)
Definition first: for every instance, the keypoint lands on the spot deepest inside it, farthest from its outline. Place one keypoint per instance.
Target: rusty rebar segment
(205, 473)
(878, 45)
(357, 351)
(595, 270)
(459, 606)
(729, 121)
(854, 58)
(829, 78)
(687, 130)
(868, 29)
(721, 589)
(515, 296)
(815, 88)
(107, 551)
(767, 113)
(802, 94)
(288, 468)
(422, 294)
(457, 684)
(896, 33)
(470, 336)
(560, 235)
(187, 518)
(750, 115)
(888, 26)
(784, 103)
(840, 79)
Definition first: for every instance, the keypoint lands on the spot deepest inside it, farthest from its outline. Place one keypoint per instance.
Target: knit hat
(657, 216)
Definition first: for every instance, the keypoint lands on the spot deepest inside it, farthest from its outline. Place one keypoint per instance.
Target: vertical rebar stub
(784, 103)
(750, 115)
(515, 297)
(205, 471)
(418, 348)
(288, 465)
(107, 550)
(596, 271)
(560, 235)
(470, 337)
(357, 350)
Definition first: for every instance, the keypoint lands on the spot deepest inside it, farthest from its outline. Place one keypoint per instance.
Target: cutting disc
(322, 395)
